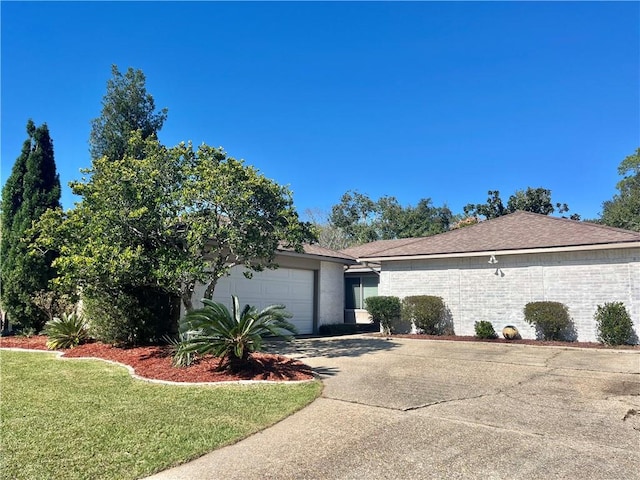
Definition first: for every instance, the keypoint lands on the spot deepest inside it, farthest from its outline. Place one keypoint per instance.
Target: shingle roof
(368, 249)
(318, 251)
(516, 231)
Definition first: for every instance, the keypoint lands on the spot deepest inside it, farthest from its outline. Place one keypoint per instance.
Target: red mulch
(523, 341)
(155, 362)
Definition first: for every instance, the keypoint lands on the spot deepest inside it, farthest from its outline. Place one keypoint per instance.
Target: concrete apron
(416, 409)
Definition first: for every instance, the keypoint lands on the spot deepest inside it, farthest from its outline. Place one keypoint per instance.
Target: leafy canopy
(623, 210)
(363, 220)
(126, 108)
(168, 218)
(535, 200)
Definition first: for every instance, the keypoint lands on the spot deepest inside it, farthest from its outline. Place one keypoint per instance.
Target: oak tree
(623, 210)
(171, 218)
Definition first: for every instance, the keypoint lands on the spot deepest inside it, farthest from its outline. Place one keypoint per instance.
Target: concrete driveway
(416, 409)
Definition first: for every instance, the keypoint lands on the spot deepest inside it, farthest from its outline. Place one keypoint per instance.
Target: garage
(310, 284)
(291, 287)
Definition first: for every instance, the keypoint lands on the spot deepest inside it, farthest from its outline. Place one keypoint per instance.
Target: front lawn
(78, 419)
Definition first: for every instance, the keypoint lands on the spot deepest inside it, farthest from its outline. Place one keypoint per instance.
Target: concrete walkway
(416, 409)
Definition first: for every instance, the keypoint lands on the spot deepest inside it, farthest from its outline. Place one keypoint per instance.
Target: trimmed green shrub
(426, 312)
(384, 310)
(551, 319)
(135, 316)
(614, 324)
(484, 329)
(67, 331)
(338, 329)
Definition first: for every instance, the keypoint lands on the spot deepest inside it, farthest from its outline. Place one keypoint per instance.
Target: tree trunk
(208, 293)
(186, 294)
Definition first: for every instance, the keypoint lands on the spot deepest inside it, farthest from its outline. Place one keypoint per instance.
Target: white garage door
(288, 286)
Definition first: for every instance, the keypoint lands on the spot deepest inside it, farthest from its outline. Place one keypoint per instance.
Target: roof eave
(481, 253)
(289, 253)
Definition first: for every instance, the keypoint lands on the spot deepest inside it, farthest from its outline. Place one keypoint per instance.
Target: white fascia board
(324, 258)
(576, 248)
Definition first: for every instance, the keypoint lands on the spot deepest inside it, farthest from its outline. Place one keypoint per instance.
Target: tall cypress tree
(32, 188)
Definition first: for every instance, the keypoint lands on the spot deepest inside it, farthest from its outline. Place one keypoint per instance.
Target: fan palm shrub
(67, 331)
(231, 336)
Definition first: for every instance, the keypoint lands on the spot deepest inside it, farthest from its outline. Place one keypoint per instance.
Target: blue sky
(420, 99)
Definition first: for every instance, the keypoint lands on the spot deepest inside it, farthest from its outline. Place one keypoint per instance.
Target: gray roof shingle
(516, 231)
(318, 251)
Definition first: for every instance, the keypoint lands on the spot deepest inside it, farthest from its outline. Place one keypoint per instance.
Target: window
(358, 289)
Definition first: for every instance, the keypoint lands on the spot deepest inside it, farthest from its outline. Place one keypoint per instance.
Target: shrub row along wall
(474, 290)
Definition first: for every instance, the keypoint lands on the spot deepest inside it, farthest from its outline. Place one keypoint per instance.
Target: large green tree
(535, 200)
(362, 219)
(168, 219)
(623, 210)
(31, 189)
(126, 108)
(329, 236)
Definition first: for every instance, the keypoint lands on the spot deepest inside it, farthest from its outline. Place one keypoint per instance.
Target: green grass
(86, 419)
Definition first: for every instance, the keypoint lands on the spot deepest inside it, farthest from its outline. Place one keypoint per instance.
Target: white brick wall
(472, 290)
(331, 293)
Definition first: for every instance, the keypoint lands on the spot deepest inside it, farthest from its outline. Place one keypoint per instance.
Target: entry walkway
(419, 409)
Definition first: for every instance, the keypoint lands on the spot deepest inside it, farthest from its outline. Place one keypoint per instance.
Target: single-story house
(309, 284)
(491, 270)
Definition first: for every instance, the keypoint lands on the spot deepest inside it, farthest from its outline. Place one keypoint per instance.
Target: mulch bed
(155, 362)
(523, 341)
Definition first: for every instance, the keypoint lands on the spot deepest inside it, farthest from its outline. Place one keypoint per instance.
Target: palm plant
(66, 332)
(231, 336)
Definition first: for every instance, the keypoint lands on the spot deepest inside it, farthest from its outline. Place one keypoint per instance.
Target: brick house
(490, 270)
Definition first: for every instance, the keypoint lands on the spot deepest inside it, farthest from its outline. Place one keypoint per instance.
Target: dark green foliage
(623, 211)
(361, 220)
(67, 331)
(338, 329)
(129, 316)
(535, 200)
(126, 107)
(232, 336)
(614, 324)
(551, 319)
(426, 312)
(493, 208)
(384, 310)
(31, 189)
(484, 329)
(174, 217)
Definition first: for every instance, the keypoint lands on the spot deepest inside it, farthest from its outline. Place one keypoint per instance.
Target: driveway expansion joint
(450, 400)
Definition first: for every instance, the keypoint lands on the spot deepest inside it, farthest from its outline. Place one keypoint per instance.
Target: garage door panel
(290, 287)
(276, 288)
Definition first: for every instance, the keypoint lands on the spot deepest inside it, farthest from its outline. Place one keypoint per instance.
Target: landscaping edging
(60, 356)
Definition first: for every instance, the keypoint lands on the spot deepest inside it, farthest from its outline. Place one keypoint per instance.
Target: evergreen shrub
(551, 319)
(427, 312)
(385, 310)
(484, 329)
(614, 324)
(129, 316)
